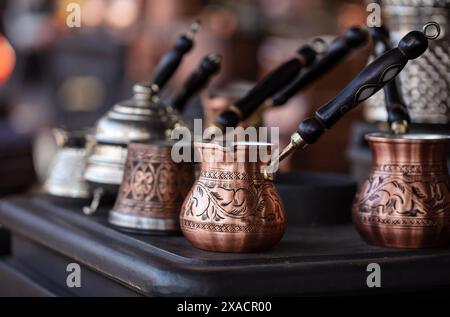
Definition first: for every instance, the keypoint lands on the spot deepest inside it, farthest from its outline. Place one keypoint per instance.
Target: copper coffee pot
(154, 186)
(404, 202)
(233, 206)
(140, 119)
(152, 190)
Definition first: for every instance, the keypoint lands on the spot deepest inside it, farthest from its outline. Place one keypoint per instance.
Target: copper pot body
(404, 202)
(231, 207)
(152, 190)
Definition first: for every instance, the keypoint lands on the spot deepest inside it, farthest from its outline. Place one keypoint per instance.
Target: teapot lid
(144, 117)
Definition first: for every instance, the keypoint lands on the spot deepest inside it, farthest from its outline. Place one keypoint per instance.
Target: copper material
(153, 189)
(405, 202)
(232, 207)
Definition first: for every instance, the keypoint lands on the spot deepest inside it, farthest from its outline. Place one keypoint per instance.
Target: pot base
(403, 237)
(232, 242)
(144, 225)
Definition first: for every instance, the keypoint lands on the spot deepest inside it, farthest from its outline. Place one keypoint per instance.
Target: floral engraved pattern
(153, 185)
(249, 206)
(404, 195)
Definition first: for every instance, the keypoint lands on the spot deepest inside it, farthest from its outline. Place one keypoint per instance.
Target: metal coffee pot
(65, 178)
(154, 186)
(152, 190)
(405, 200)
(139, 119)
(233, 206)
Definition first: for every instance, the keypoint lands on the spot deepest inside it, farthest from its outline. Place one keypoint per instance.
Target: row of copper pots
(233, 205)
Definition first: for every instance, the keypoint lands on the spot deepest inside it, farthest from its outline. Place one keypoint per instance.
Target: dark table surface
(308, 261)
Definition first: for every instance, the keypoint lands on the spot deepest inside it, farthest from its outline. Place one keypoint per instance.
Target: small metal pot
(66, 179)
(152, 190)
(405, 201)
(232, 207)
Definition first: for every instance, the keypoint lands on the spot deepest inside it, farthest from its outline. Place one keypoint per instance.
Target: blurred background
(55, 76)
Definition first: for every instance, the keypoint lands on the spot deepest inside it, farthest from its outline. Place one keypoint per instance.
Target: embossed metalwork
(232, 207)
(405, 200)
(425, 81)
(140, 119)
(152, 190)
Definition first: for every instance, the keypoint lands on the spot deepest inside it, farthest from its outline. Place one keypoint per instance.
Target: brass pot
(152, 190)
(232, 207)
(405, 202)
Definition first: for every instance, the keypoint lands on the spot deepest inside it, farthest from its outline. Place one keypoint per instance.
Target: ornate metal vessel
(66, 171)
(425, 82)
(142, 118)
(405, 201)
(232, 207)
(139, 119)
(152, 190)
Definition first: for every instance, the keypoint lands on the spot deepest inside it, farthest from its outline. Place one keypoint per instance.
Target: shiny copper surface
(152, 190)
(231, 207)
(405, 203)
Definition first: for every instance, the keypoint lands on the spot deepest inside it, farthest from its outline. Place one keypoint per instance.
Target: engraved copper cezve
(405, 202)
(153, 189)
(232, 207)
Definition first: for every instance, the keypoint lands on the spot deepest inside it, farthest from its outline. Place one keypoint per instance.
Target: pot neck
(409, 153)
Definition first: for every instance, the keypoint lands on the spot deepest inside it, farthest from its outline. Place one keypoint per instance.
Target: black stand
(310, 261)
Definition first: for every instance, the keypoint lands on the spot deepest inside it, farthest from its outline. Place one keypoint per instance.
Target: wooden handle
(209, 66)
(367, 83)
(395, 107)
(266, 88)
(172, 59)
(354, 37)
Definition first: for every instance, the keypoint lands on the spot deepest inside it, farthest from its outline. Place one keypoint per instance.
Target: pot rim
(231, 146)
(158, 143)
(407, 138)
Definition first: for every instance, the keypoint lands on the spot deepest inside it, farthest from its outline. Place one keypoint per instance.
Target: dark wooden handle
(395, 107)
(367, 83)
(337, 51)
(267, 87)
(171, 60)
(209, 66)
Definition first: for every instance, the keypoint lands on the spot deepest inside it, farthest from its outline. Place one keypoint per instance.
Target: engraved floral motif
(404, 195)
(153, 185)
(253, 203)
